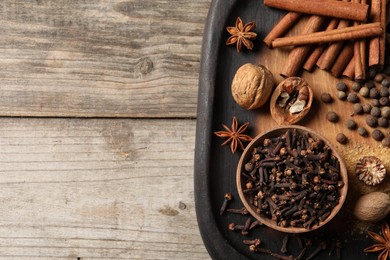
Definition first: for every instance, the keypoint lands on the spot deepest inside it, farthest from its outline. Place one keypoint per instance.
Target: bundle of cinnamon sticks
(343, 37)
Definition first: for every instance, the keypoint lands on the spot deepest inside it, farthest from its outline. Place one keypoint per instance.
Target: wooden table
(98, 103)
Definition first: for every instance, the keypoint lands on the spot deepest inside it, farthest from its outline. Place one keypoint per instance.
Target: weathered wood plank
(100, 58)
(105, 189)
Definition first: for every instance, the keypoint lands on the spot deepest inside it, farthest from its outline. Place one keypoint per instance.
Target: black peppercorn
(351, 124)
(375, 103)
(357, 109)
(384, 101)
(367, 108)
(383, 122)
(369, 84)
(371, 121)
(378, 78)
(385, 112)
(341, 95)
(377, 135)
(386, 83)
(376, 111)
(353, 98)
(371, 73)
(332, 117)
(384, 91)
(341, 138)
(326, 98)
(362, 131)
(356, 86)
(374, 93)
(386, 142)
(341, 86)
(364, 92)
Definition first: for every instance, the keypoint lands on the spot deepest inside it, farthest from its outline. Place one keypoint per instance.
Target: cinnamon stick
(357, 49)
(342, 60)
(331, 8)
(316, 54)
(349, 71)
(282, 27)
(376, 57)
(349, 33)
(298, 55)
(329, 55)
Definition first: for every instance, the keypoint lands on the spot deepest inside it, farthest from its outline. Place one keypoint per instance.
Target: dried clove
(321, 246)
(227, 197)
(284, 244)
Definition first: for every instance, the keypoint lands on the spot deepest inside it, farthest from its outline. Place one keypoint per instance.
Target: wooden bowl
(245, 198)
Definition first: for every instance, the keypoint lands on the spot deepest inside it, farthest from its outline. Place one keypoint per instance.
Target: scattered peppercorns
(341, 95)
(367, 108)
(377, 135)
(374, 93)
(326, 98)
(385, 112)
(371, 121)
(353, 98)
(386, 141)
(332, 117)
(376, 111)
(341, 138)
(356, 86)
(362, 131)
(386, 83)
(341, 86)
(364, 92)
(371, 73)
(351, 124)
(357, 109)
(369, 84)
(383, 101)
(378, 78)
(384, 91)
(383, 122)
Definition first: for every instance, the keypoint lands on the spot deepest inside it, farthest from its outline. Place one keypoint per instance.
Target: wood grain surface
(97, 189)
(100, 58)
(101, 188)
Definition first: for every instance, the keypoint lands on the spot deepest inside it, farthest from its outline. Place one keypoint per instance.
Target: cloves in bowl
(291, 101)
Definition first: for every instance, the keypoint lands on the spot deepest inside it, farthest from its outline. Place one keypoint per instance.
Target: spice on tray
(241, 34)
(332, 117)
(372, 207)
(382, 245)
(234, 135)
(297, 186)
(226, 198)
(291, 101)
(341, 138)
(252, 86)
(370, 170)
(337, 9)
(351, 124)
(326, 98)
(282, 27)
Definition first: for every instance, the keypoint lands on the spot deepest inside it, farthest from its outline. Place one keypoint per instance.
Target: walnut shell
(291, 101)
(252, 86)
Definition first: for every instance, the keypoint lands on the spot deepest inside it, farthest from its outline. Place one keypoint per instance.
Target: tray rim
(216, 244)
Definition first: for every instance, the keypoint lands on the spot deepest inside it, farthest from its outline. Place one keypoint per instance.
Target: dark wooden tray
(215, 166)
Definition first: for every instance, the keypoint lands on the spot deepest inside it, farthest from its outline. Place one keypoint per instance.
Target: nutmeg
(372, 207)
(252, 86)
(291, 101)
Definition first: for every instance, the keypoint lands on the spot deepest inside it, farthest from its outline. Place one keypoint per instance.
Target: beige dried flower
(370, 170)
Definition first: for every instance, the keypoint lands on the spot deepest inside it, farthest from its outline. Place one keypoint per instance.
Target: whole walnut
(252, 86)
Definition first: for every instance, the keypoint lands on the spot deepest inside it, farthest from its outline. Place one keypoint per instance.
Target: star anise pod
(383, 245)
(241, 34)
(236, 137)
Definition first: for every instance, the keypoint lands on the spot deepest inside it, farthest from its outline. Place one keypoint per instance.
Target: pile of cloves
(293, 179)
